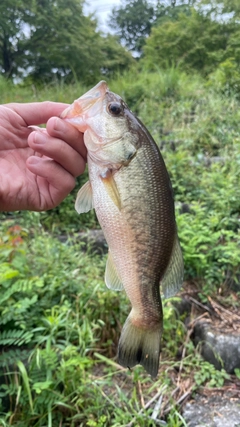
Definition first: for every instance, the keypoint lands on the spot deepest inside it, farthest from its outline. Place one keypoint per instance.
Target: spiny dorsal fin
(84, 200)
(173, 277)
(112, 279)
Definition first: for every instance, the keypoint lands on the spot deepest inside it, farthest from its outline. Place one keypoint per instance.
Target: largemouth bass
(130, 190)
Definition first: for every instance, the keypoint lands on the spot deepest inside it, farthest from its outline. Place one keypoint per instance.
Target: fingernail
(33, 160)
(39, 138)
(58, 125)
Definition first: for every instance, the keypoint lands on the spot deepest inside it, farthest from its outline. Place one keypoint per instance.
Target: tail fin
(141, 346)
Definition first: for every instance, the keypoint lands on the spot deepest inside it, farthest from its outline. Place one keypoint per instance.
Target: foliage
(46, 40)
(229, 7)
(210, 251)
(41, 280)
(226, 77)
(64, 218)
(133, 21)
(61, 50)
(19, 283)
(47, 345)
(116, 59)
(170, 10)
(209, 375)
(193, 41)
(147, 94)
(12, 15)
(237, 373)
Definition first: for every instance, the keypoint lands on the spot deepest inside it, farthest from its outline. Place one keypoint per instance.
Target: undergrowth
(58, 342)
(60, 325)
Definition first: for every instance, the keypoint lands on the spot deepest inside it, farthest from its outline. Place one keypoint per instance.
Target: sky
(102, 9)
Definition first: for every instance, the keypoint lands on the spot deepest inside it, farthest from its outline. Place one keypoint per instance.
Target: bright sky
(102, 9)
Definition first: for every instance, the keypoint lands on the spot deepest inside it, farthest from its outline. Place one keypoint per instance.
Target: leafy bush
(226, 77)
(211, 253)
(194, 41)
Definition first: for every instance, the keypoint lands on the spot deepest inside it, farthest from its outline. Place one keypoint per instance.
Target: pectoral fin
(112, 279)
(173, 277)
(111, 187)
(84, 200)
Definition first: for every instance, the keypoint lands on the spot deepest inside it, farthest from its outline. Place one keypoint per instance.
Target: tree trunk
(6, 57)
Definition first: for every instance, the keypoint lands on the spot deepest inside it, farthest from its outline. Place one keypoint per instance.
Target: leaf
(43, 385)
(26, 383)
(15, 337)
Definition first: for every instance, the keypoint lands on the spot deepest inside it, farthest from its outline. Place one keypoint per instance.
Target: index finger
(36, 113)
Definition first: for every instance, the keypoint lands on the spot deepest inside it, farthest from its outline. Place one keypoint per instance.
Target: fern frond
(15, 337)
(11, 356)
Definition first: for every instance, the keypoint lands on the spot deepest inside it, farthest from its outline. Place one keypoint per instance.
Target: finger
(36, 113)
(58, 150)
(61, 129)
(55, 183)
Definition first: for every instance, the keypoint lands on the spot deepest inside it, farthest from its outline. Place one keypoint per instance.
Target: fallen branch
(217, 307)
(200, 304)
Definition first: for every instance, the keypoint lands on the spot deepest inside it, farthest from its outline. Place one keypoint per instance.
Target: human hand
(37, 168)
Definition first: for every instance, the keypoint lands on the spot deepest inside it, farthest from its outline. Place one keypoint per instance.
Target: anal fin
(112, 279)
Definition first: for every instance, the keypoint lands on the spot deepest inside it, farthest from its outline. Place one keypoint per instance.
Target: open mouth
(87, 105)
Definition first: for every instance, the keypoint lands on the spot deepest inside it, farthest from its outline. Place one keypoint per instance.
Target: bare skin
(37, 169)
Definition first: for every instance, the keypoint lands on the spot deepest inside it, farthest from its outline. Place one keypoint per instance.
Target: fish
(130, 189)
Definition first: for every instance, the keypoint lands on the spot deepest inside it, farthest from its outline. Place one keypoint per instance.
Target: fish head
(110, 131)
(84, 108)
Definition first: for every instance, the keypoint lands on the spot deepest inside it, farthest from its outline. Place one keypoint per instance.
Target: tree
(191, 42)
(133, 22)
(230, 7)
(170, 10)
(115, 57)
(46, 39)
(12, 13)
(63, 42)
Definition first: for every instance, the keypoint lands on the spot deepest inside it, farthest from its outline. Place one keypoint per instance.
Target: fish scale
(130, 189)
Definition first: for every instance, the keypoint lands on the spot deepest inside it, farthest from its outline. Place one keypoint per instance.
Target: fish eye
(115, 108)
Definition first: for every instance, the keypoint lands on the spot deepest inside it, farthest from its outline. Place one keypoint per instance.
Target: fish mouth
(88, 105)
